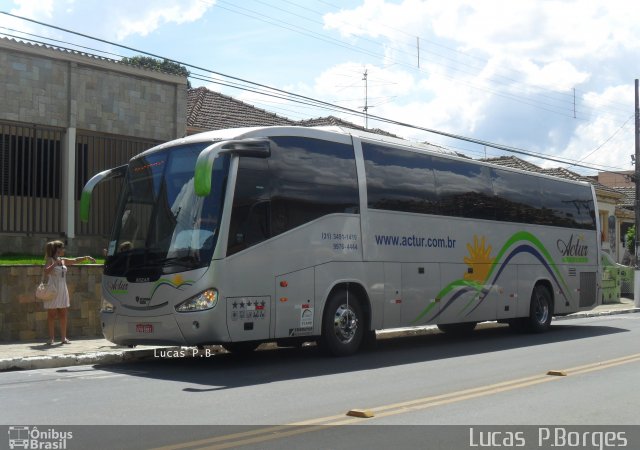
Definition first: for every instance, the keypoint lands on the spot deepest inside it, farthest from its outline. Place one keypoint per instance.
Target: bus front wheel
(342, 324)
(540, 310)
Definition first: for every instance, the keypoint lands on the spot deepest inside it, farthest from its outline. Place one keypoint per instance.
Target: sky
(553, 78)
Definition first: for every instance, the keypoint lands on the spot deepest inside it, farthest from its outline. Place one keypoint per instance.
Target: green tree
(630, 240)
(165, 65)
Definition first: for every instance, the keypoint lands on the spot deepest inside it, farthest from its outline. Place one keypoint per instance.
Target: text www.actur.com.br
(414, 241)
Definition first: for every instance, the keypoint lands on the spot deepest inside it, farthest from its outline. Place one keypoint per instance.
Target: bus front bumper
(188, 329)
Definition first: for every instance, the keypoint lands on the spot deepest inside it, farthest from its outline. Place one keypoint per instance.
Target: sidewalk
(39, 355)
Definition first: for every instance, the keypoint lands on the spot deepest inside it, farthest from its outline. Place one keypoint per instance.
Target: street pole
(366, 98)
(636, 284)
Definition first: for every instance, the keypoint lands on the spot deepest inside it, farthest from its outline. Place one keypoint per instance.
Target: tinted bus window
(464, 189)
(570, 205)
(399, 180)
(251, 212)
(310, 178)
(518, 196)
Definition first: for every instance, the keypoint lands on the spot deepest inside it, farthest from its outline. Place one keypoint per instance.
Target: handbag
(46, 291)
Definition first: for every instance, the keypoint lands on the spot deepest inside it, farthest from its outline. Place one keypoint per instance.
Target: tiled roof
(559, 172)
(335, 121)
(59, 49)
(77, 53)
(208, 110)
(629, 199)
(514, 163)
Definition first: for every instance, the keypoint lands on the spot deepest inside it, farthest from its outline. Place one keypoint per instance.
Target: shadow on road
(226, 371)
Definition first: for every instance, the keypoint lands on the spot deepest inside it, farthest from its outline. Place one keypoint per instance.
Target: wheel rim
(345, 324)
(542, 309)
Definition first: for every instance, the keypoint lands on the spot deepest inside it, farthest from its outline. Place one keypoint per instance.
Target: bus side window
(312, 178)
(255, 227)
(251, 212)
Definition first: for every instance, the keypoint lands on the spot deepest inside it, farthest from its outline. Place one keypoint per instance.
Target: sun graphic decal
(479, 260)
(176, 282)
(485, 271)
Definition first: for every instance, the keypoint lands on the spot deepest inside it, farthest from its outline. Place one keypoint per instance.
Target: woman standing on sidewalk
(56, 268)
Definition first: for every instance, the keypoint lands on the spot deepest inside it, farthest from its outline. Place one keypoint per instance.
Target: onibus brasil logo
(32, 438)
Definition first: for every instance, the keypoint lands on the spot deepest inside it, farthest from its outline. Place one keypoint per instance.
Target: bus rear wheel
(342, 324)
(540, 310)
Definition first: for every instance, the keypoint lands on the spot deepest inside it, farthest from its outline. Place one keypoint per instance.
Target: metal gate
(30, 173)
(94, 153)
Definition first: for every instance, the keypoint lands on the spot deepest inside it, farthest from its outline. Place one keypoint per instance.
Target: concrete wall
(23, 318)
(78, 95)
(34, 245)
(65, 89)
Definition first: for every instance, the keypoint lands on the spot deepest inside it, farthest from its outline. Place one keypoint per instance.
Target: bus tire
(240, 348)
(342, 324)
(540, 310)
(457, 329)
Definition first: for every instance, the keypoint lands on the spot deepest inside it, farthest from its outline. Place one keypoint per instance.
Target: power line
(570, 96)
(262, 89)
(277, 22)
(280, 23)
(608, 139)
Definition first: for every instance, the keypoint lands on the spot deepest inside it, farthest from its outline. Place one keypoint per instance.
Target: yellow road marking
(292, 429)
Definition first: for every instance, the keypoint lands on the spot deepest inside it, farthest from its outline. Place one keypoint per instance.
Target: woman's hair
(51, 248)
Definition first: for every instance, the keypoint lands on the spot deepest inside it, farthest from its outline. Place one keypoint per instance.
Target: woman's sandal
(66, 341)
(50, 342)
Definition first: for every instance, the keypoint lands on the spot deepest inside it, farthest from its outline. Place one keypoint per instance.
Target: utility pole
(636, 284)
(366, 96)
(637, 172)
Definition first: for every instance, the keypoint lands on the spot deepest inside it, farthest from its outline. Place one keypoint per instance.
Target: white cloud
(27, 8)
(113, 19)
(143, 18)
(33, 8)
(508, 70)
(494, 70)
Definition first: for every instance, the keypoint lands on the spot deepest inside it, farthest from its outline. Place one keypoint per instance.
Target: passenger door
(392, 295)
(295, 304)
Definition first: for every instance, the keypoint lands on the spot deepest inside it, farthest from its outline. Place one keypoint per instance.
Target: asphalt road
(493, 377)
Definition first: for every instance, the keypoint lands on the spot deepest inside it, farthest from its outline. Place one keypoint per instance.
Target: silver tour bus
(291, 234)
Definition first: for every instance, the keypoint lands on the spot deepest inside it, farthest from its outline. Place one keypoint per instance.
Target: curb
(77, 359)
(612, 312)
(433, 329)
(126, 355)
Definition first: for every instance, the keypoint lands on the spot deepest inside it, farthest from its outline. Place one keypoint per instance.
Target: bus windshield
(162, 226)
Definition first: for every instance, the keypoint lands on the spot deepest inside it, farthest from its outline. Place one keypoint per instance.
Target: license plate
(144, 328)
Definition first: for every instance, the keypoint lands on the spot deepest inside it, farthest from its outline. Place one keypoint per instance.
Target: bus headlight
(202, 301)
(107, 307)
